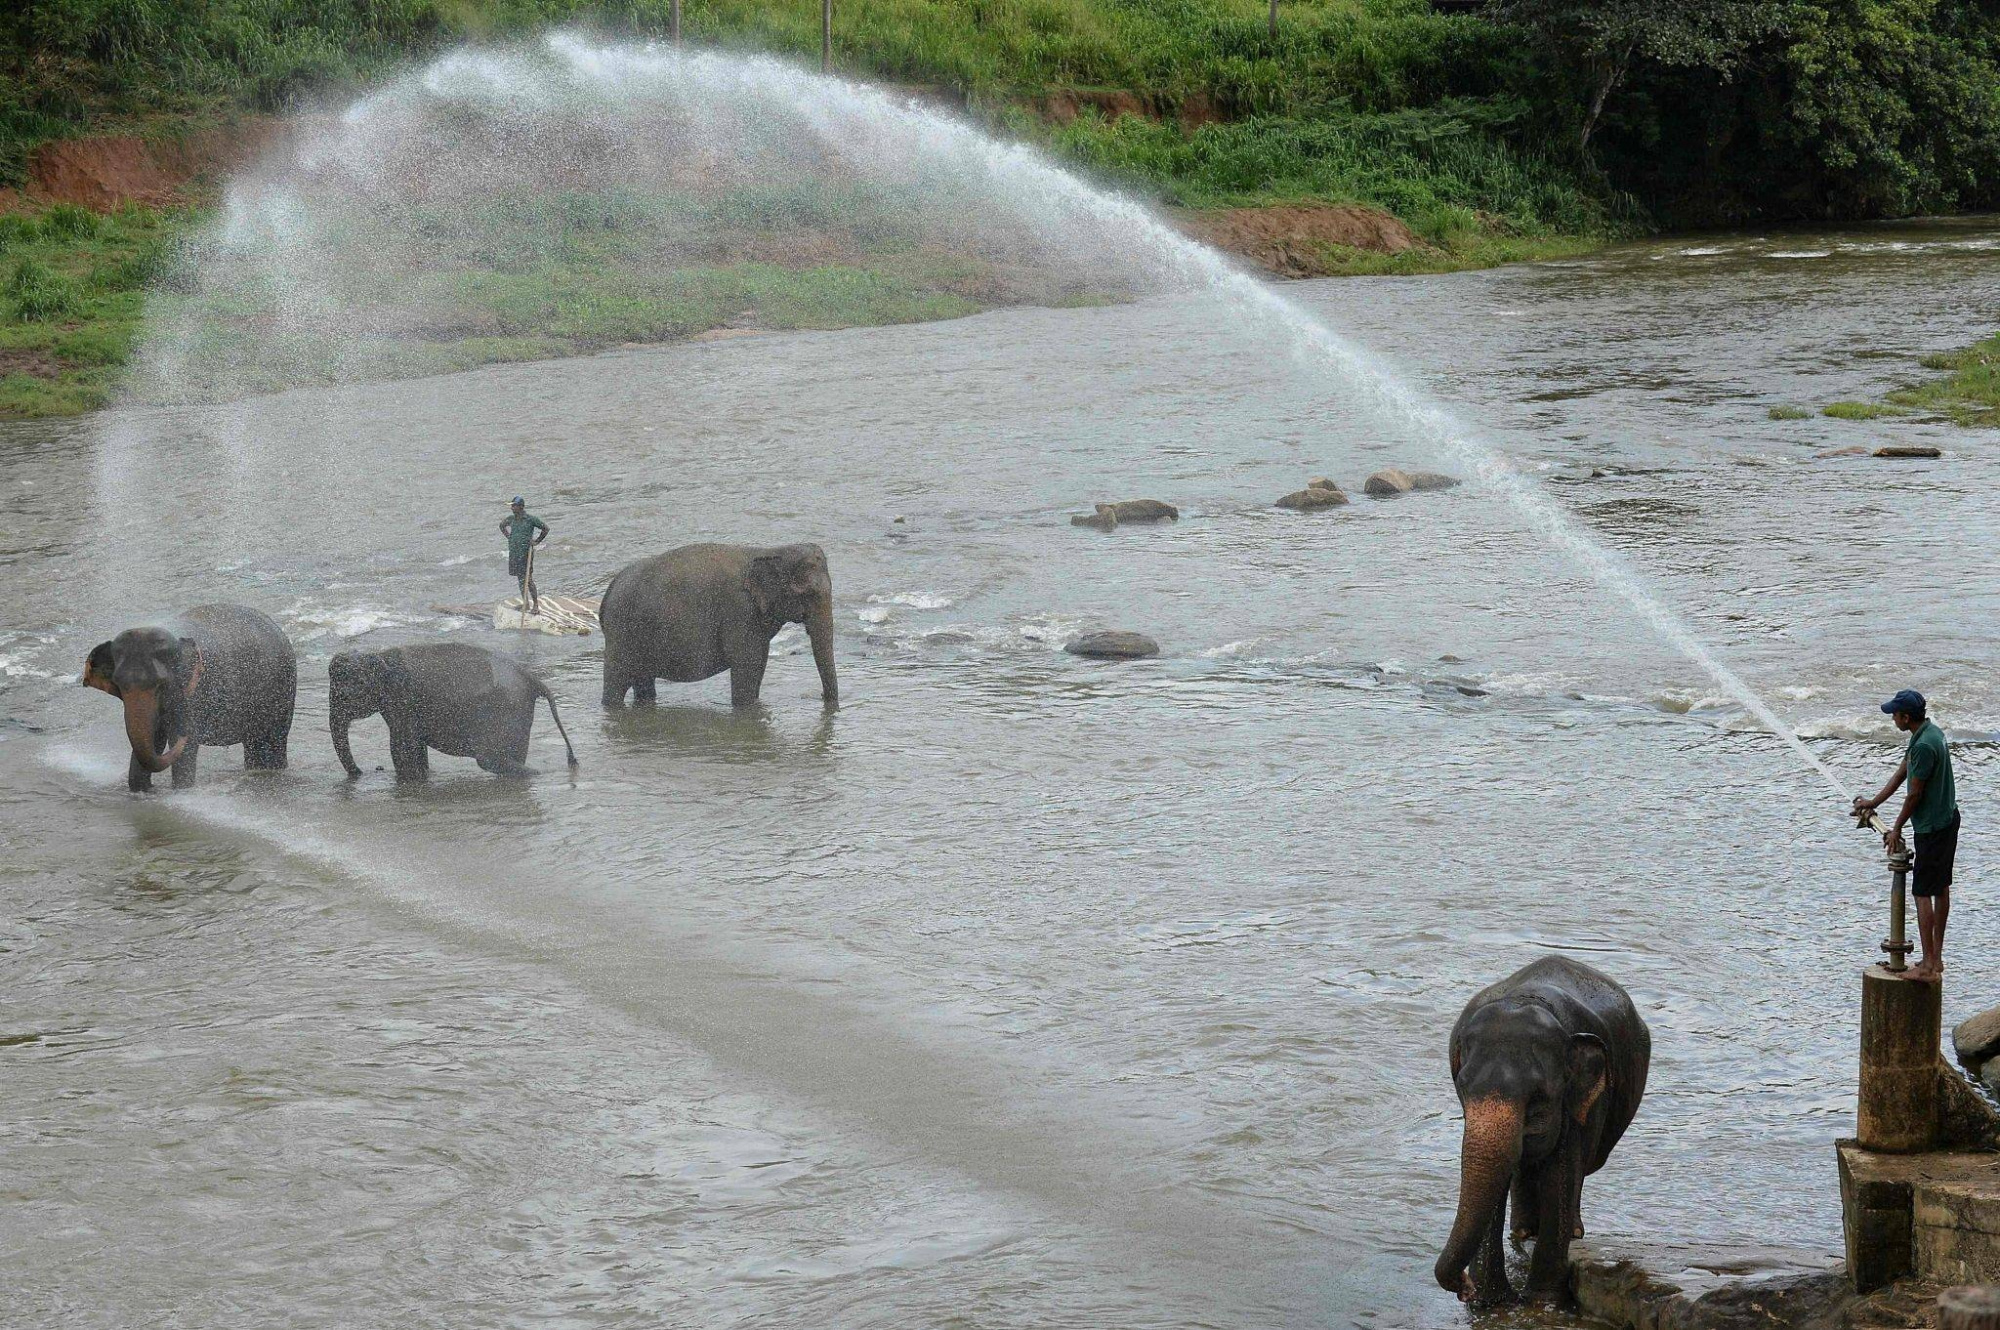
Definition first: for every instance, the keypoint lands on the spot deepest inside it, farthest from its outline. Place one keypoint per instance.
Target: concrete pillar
(1974, 1307)
(1899, 1053)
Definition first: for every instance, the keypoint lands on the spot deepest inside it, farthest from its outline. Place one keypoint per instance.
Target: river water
(1023, 990)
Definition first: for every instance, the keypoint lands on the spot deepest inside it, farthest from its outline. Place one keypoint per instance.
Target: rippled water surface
(1024, 990)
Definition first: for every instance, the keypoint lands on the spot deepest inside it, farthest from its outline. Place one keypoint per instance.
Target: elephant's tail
(556, 716)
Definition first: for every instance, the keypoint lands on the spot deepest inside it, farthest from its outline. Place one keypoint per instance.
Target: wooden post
(1972, 1307)
(1274, 20)
(674, 22)
(826, 36)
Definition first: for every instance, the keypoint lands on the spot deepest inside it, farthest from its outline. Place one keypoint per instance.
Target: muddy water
(1022, 991)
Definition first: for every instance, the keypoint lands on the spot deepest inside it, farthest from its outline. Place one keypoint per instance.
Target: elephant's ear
(97, 667)
(187, 665)
(1589, 1073)
(767, 585)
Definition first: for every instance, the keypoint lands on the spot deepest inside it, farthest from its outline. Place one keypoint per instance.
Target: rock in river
(1318, 493)
(1977, 1038)
(1111, 515)
(1112, 644)
(1395, 480)
(1909, 450)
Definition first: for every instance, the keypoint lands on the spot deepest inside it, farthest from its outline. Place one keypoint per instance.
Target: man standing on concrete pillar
(1931, 809)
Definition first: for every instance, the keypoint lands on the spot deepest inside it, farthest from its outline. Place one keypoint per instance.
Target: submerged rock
(1318, 493)
(1977, 1038)
(1112, 515)
(1909, 450)
(1393, 481)
(1852, 450)
(1112, 644)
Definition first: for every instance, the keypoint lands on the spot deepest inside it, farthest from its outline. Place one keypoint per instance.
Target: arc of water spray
(1077, 223)
(838, 110)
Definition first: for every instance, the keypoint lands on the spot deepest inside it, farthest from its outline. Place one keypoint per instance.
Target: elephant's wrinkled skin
(216, 675)
(1550, 1064)
(459, 699)
(696, 611)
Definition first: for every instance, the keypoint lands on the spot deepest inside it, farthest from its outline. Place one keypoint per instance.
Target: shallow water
(1024, 990)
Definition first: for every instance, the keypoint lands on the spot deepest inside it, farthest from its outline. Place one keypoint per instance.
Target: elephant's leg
(267, 751)
(1525, 1222)
(1490, 1272)
(505, 751)
(746, 677)
(616, 684)
(183, 767)
(645, 691)
(137, 778)
(406, 752)
(1548, 1270)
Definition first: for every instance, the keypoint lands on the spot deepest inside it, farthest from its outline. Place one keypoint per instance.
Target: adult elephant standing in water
(217, 675)
(1550, 1064)
(696, 611)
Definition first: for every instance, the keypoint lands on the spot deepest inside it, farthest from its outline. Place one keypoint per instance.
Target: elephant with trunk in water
(1550, 1064)
(217, 675)
(457, 698)
(696, 611)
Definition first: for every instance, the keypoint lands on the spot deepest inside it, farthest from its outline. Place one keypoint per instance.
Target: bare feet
(1924, 972)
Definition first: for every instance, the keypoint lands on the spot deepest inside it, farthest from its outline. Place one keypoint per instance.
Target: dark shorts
(1935, 851)
(517, 564)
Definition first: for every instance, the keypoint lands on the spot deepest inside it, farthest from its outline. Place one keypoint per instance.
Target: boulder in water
(1112, 644)
(1317, 494)
(1909, 450)
(1977, 1038)
(1389, 483)
(1110, 516)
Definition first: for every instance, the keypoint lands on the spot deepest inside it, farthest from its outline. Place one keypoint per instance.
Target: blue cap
(518, 499)
(1909, 702)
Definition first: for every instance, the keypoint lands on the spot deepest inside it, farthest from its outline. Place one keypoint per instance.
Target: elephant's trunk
(819, 631)
(337, 724)
(1488, 1156)
(142, 729)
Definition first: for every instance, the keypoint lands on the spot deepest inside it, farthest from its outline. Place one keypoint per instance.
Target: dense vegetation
(1548, 113)
(1529, 126)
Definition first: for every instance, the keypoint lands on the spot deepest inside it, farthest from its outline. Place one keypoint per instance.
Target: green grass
(1970, 391)
(1861, 411)
(1376, 102)
(71, 302)
(1790, 413)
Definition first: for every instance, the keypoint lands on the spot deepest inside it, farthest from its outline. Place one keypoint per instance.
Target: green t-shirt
(522, 534)
(1930, 762)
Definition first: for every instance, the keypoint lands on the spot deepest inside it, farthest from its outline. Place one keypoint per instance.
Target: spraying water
(344, 244)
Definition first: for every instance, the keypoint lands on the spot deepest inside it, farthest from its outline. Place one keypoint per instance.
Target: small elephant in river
(216, 675)
(459, 699)
(696, 611)
(1550, 1064)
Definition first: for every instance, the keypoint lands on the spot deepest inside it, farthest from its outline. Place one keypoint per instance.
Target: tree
(1599, 41)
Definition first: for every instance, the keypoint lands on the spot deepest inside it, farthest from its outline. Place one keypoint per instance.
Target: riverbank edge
(1623, 1293)
(162, 180)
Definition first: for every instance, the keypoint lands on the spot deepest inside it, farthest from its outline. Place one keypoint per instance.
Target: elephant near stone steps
(1550, 1064)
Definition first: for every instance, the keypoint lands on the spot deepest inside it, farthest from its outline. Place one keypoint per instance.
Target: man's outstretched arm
(1882, 796)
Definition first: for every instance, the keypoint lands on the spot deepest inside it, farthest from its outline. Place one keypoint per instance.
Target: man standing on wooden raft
(524, 531)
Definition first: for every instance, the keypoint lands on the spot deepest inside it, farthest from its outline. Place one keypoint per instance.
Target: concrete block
(1896, 1109)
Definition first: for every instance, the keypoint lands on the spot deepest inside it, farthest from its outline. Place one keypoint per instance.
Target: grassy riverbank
(1487, 142)
(72, 295)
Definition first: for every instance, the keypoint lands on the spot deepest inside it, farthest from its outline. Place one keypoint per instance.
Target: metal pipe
(826, 36)
(674, 22)
(1900, 862)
